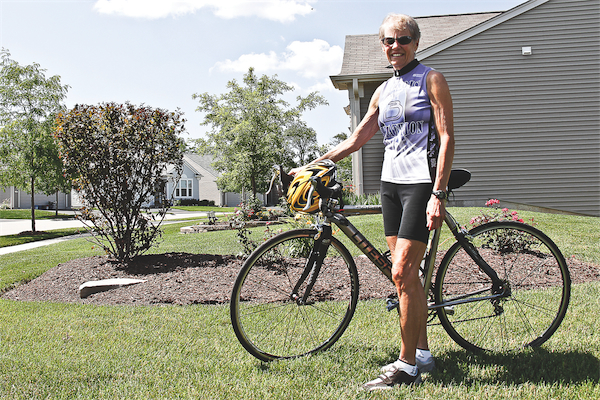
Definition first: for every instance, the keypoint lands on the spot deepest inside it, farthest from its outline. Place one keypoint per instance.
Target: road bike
(501, 286)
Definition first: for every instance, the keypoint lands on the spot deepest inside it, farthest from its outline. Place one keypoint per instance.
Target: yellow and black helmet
(299, 189)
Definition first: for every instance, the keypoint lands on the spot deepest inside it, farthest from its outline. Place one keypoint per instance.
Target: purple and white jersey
(408, 128)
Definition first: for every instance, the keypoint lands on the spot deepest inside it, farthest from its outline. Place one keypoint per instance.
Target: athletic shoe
(426, 365)
(391, 378)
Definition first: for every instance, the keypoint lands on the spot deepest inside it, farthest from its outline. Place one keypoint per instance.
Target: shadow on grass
(529, 366)
(460, 367)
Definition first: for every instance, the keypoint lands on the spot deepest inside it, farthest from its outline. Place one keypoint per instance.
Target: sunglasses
(389, 41)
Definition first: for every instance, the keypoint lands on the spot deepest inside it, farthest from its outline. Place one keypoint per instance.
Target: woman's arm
(441, 103)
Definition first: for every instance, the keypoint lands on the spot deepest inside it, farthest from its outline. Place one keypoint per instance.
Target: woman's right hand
(294, 171)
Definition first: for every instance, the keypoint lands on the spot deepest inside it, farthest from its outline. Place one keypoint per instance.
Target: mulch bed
(182, 279)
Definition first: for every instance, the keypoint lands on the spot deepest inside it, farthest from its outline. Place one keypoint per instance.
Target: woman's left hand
(436, 211)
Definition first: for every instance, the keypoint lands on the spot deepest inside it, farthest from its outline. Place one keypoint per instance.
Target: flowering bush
(494, 213)
(252, 210)
(502, 240)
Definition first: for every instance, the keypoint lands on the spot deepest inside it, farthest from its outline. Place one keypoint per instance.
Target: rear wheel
(537, 279)
(268, 319)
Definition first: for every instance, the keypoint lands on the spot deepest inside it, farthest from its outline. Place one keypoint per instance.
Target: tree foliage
(301, 145)
(117, 156)
(29, 102)
(251, 128)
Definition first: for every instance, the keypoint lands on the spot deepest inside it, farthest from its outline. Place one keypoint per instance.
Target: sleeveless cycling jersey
(407, 123)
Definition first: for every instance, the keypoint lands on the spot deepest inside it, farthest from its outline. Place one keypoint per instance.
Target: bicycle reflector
(300, 187)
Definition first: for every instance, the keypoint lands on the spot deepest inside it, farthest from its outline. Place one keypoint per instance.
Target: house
(199, 182)
(526, 90)
(11, 197)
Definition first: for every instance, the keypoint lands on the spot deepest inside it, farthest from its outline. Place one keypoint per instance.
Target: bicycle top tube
(360, 210)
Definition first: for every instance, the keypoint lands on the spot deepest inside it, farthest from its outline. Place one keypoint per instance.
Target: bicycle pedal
(449, 310)
(391, 304)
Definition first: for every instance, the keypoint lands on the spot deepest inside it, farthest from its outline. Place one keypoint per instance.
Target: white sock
(423, 354)
(412, 370)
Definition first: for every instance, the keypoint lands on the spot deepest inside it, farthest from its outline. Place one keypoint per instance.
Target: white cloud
(312, 60)
(322, 86)
(275, 10)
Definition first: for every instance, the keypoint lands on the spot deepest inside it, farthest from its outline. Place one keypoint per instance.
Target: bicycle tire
(539, 281)
(271, 325)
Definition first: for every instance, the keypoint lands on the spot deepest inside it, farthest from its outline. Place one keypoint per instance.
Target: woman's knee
(405, 276)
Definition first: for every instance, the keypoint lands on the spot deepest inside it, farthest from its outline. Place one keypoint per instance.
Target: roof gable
(475, 30)
(363, 55)
(200, 164)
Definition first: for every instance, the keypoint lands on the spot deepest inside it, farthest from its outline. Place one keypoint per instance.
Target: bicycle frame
(384, 264)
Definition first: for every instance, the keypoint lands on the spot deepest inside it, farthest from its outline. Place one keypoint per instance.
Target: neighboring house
(199, 182)
(526, 90)
(12, 197)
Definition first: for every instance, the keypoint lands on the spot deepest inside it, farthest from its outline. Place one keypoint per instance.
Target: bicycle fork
(313, 266)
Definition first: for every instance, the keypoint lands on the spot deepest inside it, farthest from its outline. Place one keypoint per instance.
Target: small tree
(29, 101)
(118, 156)
(248, 130)
(301, 145)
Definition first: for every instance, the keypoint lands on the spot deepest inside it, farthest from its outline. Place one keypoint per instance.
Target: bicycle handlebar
(324, 192)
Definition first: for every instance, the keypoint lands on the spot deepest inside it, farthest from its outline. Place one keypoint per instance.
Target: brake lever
(323, 191)
(285, 179)
(275, 175)
(313, 187)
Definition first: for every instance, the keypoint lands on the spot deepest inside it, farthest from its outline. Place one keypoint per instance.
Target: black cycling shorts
(404, 210)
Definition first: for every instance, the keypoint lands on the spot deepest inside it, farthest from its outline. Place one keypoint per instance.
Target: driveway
(15, 226)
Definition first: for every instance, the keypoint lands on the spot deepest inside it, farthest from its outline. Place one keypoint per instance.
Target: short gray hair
(400, 21)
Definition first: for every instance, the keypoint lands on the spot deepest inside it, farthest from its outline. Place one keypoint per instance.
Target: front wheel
(267, 317)
(537, 289)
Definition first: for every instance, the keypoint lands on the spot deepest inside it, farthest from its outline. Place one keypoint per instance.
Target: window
(184, 188)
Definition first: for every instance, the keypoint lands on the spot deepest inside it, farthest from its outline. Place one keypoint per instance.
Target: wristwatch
(440, 194)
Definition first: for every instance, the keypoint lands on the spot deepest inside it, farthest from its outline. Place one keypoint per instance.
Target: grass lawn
(26, 214)
(65, 351)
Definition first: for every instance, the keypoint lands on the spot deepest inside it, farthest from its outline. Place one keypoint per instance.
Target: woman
(413, 110)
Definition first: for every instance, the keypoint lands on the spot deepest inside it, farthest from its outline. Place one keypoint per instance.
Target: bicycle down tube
(385, 266)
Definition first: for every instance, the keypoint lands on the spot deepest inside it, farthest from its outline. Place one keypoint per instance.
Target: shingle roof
(201, 162)
(363, 55)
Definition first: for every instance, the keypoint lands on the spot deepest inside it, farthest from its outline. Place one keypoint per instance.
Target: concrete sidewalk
(16, 226)
(39, 243)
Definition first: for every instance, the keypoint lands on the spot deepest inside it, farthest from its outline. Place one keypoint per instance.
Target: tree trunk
(253, 183)
(32, 204)
(56, 204)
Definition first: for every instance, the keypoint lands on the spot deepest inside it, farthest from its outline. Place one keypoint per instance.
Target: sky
(161, 52)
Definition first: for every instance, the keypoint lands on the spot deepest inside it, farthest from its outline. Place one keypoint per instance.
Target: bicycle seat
(458, 177)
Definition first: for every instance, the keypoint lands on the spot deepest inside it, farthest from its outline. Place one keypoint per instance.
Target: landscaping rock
(103, 285)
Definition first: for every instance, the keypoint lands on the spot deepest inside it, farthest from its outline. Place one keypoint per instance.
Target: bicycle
(501, 286)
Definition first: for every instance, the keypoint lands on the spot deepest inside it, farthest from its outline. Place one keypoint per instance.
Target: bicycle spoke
(285, 328)
(530, 266)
